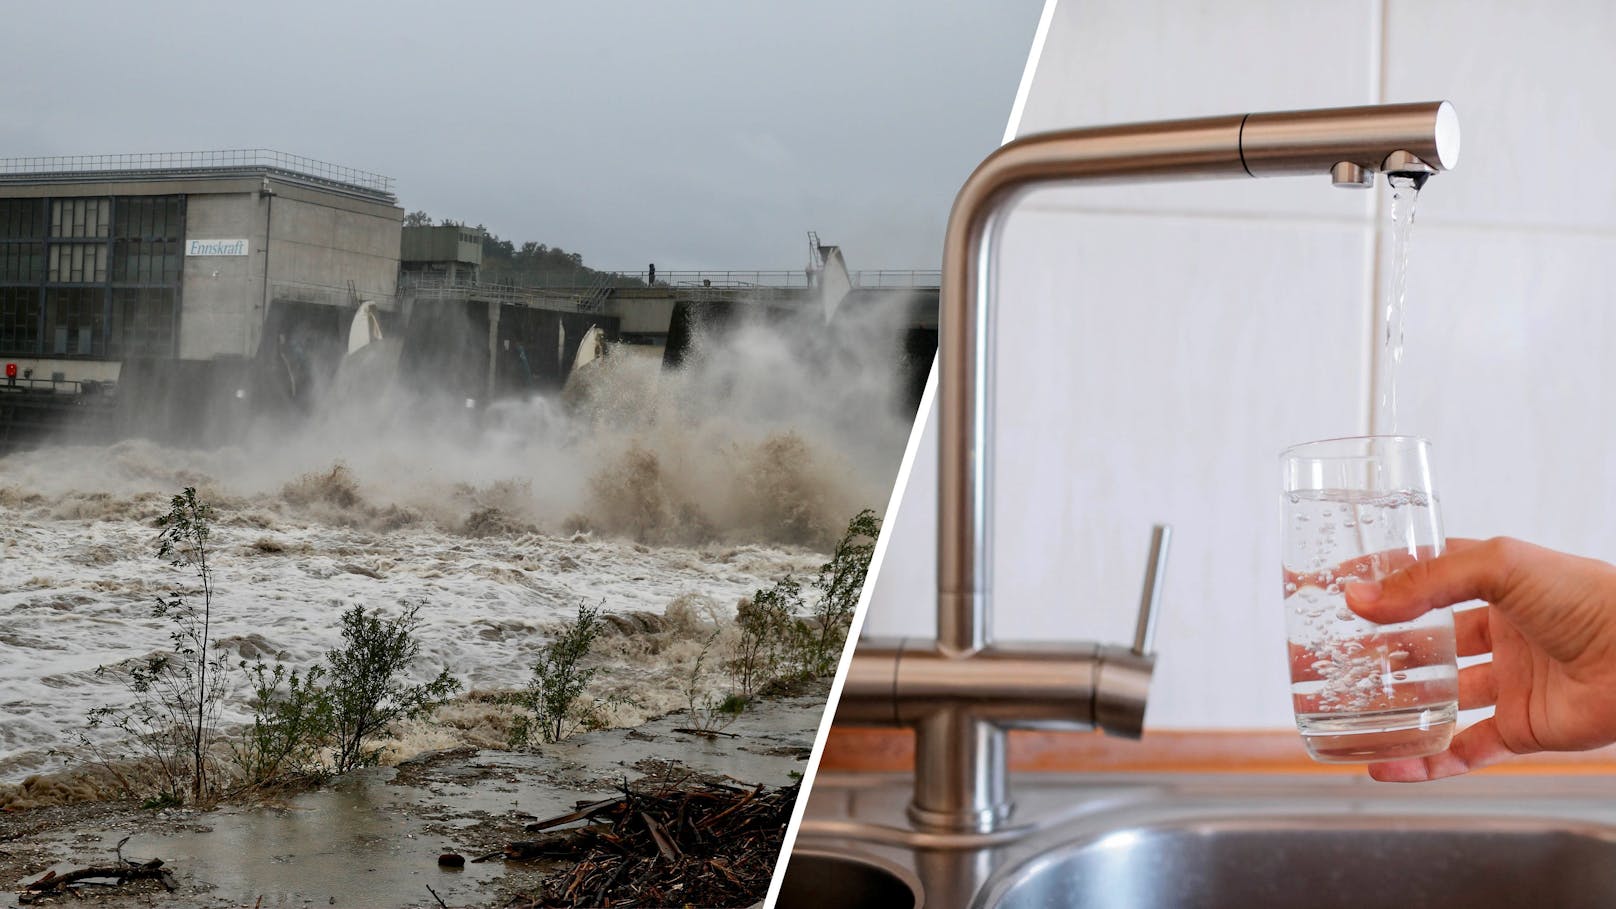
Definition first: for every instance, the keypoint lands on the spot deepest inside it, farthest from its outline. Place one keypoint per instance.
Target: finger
(1379, 564)
(1467, 572)
(1473, 631)
(1476, 747)
(1478, 686)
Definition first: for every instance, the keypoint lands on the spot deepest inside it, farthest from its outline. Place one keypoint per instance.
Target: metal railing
(197, 160)
(898, 279)
(589, 291)
(440, 287)
(779, 279)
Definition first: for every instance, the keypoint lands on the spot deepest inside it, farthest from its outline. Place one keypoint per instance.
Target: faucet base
(986, 820)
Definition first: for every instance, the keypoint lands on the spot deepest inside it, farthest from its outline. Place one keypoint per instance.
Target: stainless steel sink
(1239, 840)
(815, 880)
(1324, 863)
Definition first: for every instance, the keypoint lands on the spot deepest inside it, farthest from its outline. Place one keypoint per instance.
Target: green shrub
(782, 638)
(173, 720)
(760, 653)
(840, 582)
(366, 694)
(292, 722)
(707, 712)
(552, 705)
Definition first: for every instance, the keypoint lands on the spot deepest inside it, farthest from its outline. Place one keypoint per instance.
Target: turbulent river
(661, 498)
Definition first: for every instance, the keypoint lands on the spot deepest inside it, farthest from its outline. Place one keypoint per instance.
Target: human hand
(1551, 629)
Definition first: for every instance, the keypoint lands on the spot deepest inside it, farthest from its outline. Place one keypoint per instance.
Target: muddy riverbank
(372, 839)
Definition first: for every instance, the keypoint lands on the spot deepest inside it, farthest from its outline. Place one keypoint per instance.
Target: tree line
(530, 263)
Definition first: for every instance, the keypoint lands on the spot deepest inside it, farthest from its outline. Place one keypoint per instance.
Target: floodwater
(374, 838)
(78, 577)
(640, 490)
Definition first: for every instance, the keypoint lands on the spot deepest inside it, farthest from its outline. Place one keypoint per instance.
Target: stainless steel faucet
(962, 691)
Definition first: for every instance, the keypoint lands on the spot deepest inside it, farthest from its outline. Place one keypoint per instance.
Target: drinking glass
(1358, 509)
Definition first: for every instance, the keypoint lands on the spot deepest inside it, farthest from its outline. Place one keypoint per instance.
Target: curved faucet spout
(961, 692)
(1254, 145)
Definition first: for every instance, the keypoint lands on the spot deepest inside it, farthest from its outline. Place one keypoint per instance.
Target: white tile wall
(1157, 349)
(1120, 61)
(1509, 334)
(1535, 86)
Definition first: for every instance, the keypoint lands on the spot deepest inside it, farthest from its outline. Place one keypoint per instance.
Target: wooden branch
(582, 812)
(664, 845)
(123, 874)
(710, 733)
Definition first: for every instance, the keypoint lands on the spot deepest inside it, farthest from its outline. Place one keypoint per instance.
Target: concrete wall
(222, 297)
(1170, 340)
(641, 316)
(322, 242)
(317, 244)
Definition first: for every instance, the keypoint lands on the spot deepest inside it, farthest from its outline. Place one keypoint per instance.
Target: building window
(75, 321)
(21, 219)
(22, 228)
(147, 234)
(21, 263)
(78, 263)
(108, 269)
(19, 320)
(143, 322)
(80, 219)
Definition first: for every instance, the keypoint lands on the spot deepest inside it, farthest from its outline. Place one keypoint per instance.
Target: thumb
(1467, 571)
(1562, 603)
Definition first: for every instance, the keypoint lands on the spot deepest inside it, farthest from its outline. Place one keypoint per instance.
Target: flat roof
(198, 164)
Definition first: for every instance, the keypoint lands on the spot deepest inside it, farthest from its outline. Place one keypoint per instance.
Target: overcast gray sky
(694, 134)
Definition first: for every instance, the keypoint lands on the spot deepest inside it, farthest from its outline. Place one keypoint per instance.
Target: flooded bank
(373, 838)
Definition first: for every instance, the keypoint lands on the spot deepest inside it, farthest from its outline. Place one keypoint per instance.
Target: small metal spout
(1352, 176)
(1405, 164)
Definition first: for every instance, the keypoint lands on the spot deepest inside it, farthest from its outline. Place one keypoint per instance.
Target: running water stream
(1383, 393)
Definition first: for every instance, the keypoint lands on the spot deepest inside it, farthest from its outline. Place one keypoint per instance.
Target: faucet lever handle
(1144, 636)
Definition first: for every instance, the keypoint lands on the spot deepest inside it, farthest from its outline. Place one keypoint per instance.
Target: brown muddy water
(373, 838)
(661, 497)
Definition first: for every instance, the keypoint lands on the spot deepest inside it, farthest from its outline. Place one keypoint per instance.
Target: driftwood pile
(706, 844)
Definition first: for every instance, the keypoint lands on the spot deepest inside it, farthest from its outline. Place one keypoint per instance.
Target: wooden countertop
(857, 748)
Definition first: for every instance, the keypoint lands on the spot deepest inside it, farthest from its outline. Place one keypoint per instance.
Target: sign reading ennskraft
(216, 248)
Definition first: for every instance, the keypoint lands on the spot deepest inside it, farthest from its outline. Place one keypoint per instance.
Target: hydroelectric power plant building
(179, 256)
(139, 293)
